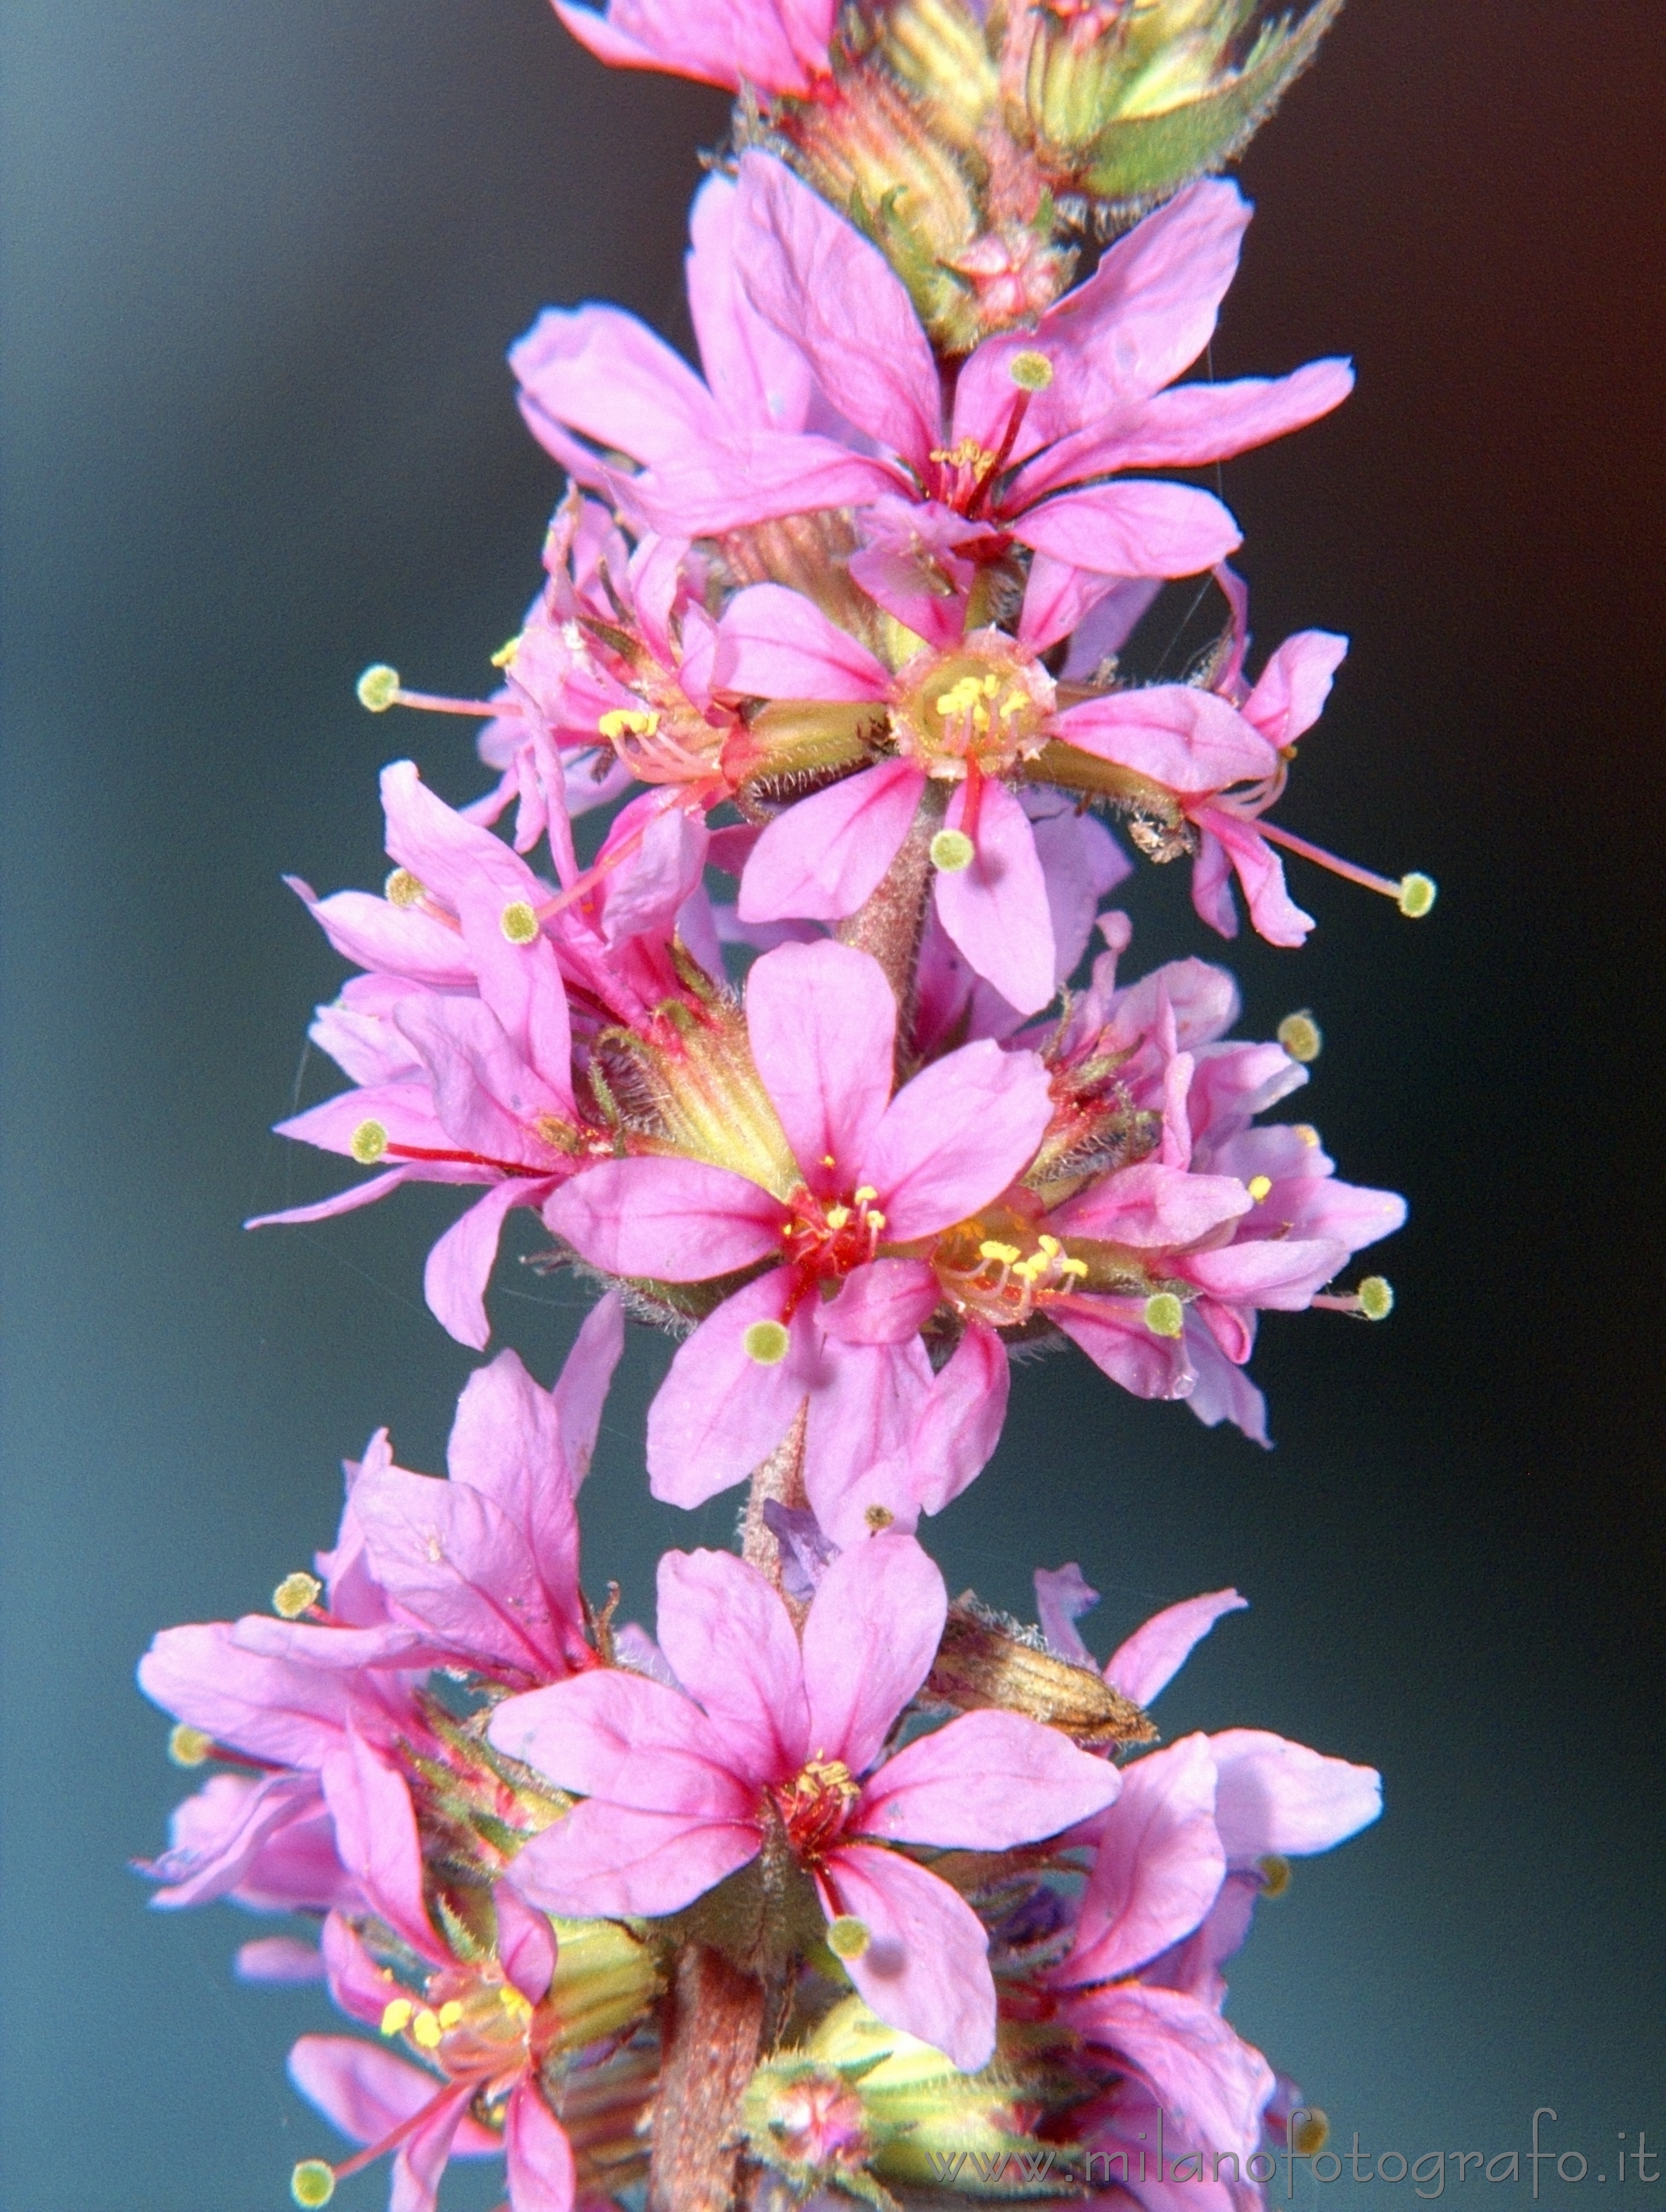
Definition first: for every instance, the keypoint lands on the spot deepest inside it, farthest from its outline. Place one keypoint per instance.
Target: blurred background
(261, 267)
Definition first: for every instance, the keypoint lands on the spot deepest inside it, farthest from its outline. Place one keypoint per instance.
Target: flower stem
(890, 924)
(716, 2019)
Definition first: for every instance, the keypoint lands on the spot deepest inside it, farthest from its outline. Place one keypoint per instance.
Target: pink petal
(756, 376)
(679, 1221)
(774, 643)
(869, 1640)
(821, 1020)
(1187, 740)
(996, 910)
(485, 1091)
(1211, 886)
(1268, 1272)
(359, 1986)
(1290, 696)
(953, 1440)
(460, 1264)
(1156, 1869)
(451, 1560)
(718, 46)
(820, 859)
(986, 1782)
(1260, 872)
(278, 1959)
(363, 2088)
(542, 2175)
(270, 1708)
(717, 1413)
(345, 1201)
(731, 1645)
(926, 1969)
(420, 2163)
(1274, 1795)
(1151, 1207)
(506, 1444)
(1212, 2085)
(884, 1303)
(1062, 1596)
(1108, 623)
(603, 1860)
(400, 940)
(581, 1387)
(376, 1839)
(956, 1136)
(525, 1943)
(617, 1737)
(751, 477)
(599, 371)
(1195, 424)
(825, 287)
(863, 1407)
(1132, 529)
(1223, 1391)
(1150, 1659)
(1113, 1334)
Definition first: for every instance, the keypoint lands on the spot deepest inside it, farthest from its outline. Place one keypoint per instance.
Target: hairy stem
(778, 1480)
(716, 2018)
(892, 923)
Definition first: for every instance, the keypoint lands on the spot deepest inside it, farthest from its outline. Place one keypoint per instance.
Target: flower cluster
(821, 1059)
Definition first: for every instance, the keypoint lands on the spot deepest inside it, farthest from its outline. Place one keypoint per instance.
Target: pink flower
(1039, 419)
(782, 1744)
(777, 46)
(833, 1169)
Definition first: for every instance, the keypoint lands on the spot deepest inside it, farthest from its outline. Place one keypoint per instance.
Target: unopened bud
(188, 1746)
(1417, 895)
(1301, 1038)
(313, 2183)
(766, 1343)
(519, 922)
(1164, 1315)
(367, 1143)
(378, 690)
(952, 851)
(295, 1594)
(1376, 1296)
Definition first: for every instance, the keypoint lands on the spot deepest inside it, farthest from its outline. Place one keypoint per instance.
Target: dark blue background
(262, 266)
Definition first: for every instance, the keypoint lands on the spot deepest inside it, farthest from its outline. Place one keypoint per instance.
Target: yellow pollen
(1072, 1267)
(878, 1518)
(188, 1746)
(828, 1160)
(426, 2030)
(378, 688)
(1027, 1270)
(865, 1194)
(1164, 1315)
(450, 2013)
(847, 1936)
(402, 888)
(952, 851)
(1029, 370)
(295, 1594)
(1376, 1296)
(1051, 1246)
(990, 1249)
(506, 653)
(1258, 1187)
(367, 1143)
(1417, 895)
(968, 454)
(1311, 2133)
(766, 1343)
(397, 2015)
(837, 1216)
(626, 722)
(518, 922)
(312, 2184)
(1309, 1134)
(1275, 1873)
(1301, 1038)
(513, 2002)
(875, 1220)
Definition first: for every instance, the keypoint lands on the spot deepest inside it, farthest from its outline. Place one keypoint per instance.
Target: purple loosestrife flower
(774, 1747)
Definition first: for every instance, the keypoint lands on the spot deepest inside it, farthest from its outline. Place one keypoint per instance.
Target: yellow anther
(1029, 370)
(867, 1193)
(312, 2183)
(1308, 1135)
(513, 2002)
(367, 1143)
(378, 690)
(990, 1249)
(626, 722)
(1258, 1187)
(295, 1594)
(952, 851)
(426, 2031)
(1072, 1267)
(1050, 1245)
(1311, 2133)
(847, 1936)
(518, 922)
(874, 1218)
(968, 454)
(1417, 895)
(878, 1518)
(450, 2013)
(401, 888)
(1300, 1035)
(766, 1343)
(188, 1746)
(506, 653)
(828, 1160)
(1164, 1315)
(396, 2015)
(990, 685)
(1028, 1270)
(1376, 1296)
(837, 1216)
(1274, 1872)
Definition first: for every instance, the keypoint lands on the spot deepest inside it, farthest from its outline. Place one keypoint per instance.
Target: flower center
(831, 1239)
(468, 2025)
(814, 1807)
(999, 1279)
(670, 743)
(986, 706)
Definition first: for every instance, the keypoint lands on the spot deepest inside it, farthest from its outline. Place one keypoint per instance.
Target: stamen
(1417, 895)
(426, 2031)
(313, 2183)
(519, 922)
(626, 722)
(848, 1937)
(379, 688)
(396, 2015)
(367, 1143)
(766, 1343)
(1311, 2133)
(1413, 895)
(295, 1595)
(506, 653)
(1164, 1315)
(952, 852)
(1259, 1186)
(1375, 1298)
(1301, 1036)
(188, 1746)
